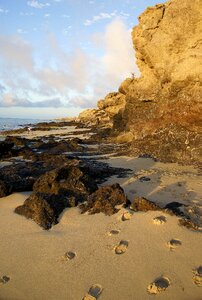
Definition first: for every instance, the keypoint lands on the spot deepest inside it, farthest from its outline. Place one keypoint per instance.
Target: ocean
(15, 123)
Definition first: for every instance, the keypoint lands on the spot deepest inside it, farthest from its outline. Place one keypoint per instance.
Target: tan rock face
(112, 103)
(125, 85)
(107, 109)
(94, 117)
(162, 108)
(168, 40)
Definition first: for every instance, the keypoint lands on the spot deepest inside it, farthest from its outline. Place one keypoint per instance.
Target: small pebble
(159, 220)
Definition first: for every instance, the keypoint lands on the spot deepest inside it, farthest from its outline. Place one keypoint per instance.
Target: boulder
(5, 148)
(107, 109)
(94, 117)
(55, 147)
(4, 189)
(20, 177)
(143, 204)
(112, 103)
(44, 209)
(18, 141)
(105, 200)
(65, 181)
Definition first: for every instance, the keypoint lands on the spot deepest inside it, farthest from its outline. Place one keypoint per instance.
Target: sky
(59, 57)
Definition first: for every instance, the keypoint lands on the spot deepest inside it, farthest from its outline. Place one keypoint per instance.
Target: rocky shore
(63, 172)
(54, 180)
(108, 205)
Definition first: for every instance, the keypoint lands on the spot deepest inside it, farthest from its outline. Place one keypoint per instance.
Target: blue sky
(58, 57)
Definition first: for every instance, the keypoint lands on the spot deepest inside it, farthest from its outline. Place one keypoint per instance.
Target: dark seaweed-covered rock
(100, 171)
(20, 177)
(54, 147)
(72, 180)
(54, 191)
(18, 141)
(44, 209)
(54, 160)
(143, 204)
(188, 224)
(105, 200)
(53, 124)
(26, 152)
(5, 148)
(4, 189)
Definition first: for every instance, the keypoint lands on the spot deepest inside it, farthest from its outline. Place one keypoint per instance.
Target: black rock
(70, 180)
(44, 209)
(5, 149)
(4, 189)
(20, 177)
(105, 200)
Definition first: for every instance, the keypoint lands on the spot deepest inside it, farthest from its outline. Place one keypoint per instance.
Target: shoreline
(34, 259)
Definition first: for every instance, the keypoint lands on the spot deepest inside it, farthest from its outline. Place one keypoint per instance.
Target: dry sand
(38, 268)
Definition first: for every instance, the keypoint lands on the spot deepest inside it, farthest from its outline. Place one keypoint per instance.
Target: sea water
(16, 123)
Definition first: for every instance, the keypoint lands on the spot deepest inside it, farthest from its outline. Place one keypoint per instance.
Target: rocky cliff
(159, 113)
(162, 111)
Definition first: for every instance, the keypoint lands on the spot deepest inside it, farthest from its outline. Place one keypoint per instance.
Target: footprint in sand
(122, 247)
(126, 216)
(159, 285)
(94, 292)
(4, 279)
(159, 220)
(197, 278)
(69, 256)
(114, 232)
(174, 243)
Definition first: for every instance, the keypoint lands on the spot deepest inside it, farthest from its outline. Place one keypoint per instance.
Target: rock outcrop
(68, 180)
(105, 200)
(143, 204)
(110, 106)
(162, 111)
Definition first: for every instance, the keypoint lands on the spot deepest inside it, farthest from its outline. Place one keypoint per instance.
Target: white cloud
(67, 30)
(16, 52)
(119, 58)
(27, 14)
(123, 14)
(76, 79)
(21, 31)
(46, 15)
(8, 100)
(2, 88)
(99, 17)
(65, 16)
(36, 4)
(4, 11)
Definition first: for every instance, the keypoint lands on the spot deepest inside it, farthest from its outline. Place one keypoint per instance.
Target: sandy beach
(122, 258)
(106, 205)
